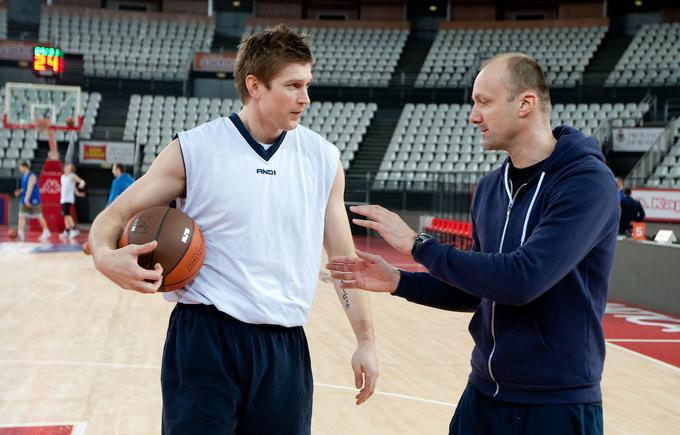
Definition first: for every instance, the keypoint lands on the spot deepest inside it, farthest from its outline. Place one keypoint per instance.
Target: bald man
(544, 235)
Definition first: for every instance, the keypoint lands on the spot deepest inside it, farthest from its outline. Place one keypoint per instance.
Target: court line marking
(79, 363)
(384, 393)
(151, 367)
(77, 427)
(643, 340)
(643, 356)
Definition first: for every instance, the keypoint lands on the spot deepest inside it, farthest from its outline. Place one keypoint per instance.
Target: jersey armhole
(184, 165)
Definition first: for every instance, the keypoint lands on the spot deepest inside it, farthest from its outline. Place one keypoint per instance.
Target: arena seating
(343, 124)
(17, 145)
(3, 21)
(128, 45)
(430, 139)
(153, 120)
(667, 172)
(651, 59)
(438, 139)
(455, 232)
(456, 55)
(347, 56)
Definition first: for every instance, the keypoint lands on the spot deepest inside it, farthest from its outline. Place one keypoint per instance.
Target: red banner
(50, 196)
(94, 152)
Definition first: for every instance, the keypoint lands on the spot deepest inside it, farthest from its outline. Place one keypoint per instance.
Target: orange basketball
(181, 246)
(86, 248)
(12, 233)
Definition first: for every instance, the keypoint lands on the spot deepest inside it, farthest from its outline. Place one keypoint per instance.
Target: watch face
(422, 237)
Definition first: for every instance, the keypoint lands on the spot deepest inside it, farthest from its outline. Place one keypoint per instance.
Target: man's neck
(258, 127)
(532, 147)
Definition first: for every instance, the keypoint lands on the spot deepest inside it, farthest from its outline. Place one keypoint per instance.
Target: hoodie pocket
(539, 333)
(522, 354)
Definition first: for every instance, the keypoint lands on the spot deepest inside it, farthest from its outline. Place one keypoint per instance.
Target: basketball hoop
(28, 105)
(42, 124)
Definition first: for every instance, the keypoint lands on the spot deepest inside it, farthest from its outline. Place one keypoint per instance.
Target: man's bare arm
(355, 303)
(80, 181)
(163, 182)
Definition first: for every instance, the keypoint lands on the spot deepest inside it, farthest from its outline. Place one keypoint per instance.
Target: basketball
(70, 122)
(181, 246)
(86, 248)
(12, 233)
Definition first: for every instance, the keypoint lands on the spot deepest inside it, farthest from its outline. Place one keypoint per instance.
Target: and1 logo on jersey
(265, 172)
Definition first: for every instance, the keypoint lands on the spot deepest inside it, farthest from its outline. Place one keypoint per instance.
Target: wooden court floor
(75, 348)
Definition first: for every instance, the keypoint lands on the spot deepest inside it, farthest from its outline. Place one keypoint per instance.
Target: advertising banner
(214, 62)
(98, 152)
(661, 205)
(16, 50)
(634, 139)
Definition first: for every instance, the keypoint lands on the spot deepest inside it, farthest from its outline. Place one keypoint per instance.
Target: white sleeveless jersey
(68, 189)
(263, 221)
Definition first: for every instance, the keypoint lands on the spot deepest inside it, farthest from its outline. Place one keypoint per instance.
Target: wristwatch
(420, 239)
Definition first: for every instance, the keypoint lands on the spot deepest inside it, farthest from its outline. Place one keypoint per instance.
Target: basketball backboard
(26, 103)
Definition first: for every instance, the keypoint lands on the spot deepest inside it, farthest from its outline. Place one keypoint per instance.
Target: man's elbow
(521, 294)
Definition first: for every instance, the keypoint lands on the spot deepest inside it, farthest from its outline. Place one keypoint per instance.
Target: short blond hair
(266, 53)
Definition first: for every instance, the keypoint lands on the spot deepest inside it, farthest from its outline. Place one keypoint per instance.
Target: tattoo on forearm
(345, 298)
(326, 277)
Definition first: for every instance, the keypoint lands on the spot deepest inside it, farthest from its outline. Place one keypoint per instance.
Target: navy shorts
(478, 414)
(223, 376)
(66, 208)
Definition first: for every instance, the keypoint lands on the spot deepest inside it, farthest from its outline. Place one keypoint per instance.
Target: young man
(267, 193)
(631, 211)
(544, 235)
(121, 181)
(29, 203)
(69, 179)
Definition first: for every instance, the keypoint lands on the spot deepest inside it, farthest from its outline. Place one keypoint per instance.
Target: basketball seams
(186, 245)
(197, 246)
(158, 231)
(180, 263)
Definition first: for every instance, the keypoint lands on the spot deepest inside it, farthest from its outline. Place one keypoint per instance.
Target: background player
(121, 181)
(69, 180)
(29, 203)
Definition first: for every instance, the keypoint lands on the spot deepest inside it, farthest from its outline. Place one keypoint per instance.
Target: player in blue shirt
(122, 181)
(29, 202)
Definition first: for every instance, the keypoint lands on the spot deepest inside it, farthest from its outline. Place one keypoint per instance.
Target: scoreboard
(48, 61)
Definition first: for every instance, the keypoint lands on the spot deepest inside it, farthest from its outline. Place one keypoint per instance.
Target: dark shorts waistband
(214, 311)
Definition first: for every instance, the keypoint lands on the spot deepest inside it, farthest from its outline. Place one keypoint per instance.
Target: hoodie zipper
(493, 304)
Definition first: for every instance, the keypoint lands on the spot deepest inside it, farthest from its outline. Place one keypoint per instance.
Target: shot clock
(48, 61)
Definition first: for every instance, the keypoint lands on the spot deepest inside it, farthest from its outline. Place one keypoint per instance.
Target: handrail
(670, 108)
(651, 100)
(648, 162)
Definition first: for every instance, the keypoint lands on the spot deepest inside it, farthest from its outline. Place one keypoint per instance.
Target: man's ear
(253, 86)
(528, 102)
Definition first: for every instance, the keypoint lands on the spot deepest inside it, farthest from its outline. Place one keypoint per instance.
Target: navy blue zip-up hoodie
(536, 277)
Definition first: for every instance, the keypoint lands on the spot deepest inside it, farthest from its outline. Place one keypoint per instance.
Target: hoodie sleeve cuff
(407, 285)
(430, 250)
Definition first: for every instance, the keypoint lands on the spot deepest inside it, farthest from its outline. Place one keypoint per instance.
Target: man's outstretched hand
(390, 226)
(367, 272)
